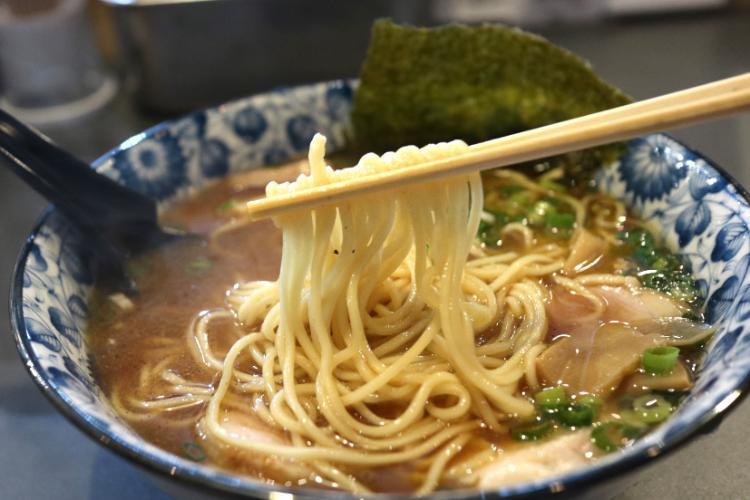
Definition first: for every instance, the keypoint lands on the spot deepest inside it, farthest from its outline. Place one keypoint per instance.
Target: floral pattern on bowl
(697, 207)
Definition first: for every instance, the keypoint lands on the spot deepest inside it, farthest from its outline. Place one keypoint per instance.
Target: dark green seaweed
(660, 269)
(423, 85)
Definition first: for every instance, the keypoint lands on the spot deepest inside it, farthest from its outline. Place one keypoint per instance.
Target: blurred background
(91, 73)
(123, 64)
(135, 62)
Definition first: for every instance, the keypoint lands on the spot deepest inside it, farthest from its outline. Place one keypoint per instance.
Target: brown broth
(178, 281)
(170, 295)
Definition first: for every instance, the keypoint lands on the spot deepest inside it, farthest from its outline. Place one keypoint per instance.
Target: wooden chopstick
(678, 109)
(692, 93)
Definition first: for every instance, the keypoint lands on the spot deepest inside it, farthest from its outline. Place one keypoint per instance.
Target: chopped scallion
(611, 436)
(531, 431)
(658, 268)
(198, 266)
(576, 415)
(228, 205)
(521, 198)
(594, 402)
(551, 398)
(501, 218)
(560, 221)
(661, 263)
(660, 360)
(539, 212)
(633, 420)
(552, 185)
(652, 408)
(509, 190)
(638, 237)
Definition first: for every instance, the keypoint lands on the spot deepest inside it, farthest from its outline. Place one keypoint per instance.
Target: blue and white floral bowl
(699, 208)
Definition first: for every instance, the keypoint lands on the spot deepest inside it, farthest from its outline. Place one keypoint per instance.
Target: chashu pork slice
(534, 462)
(249, 428)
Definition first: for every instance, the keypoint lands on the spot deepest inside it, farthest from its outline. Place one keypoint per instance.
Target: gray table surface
(42, 456)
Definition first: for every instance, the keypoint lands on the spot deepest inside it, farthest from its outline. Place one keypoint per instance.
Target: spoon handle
(94, 202)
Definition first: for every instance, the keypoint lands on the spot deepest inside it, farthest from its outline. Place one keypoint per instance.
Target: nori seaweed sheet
(423, 85)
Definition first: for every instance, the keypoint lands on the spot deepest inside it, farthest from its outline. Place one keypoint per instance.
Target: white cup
(49, 65)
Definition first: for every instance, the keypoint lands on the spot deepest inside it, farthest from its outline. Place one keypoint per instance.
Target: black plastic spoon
(118, 220)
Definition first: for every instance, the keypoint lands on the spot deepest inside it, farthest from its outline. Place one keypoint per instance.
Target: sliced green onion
(639, 237)
(501, 218)
(198, 266)
(656, 280)
(652, 408)
(539, 212)
(194, 451)
(644, 255)
(633, 420)
(607, 436)
(576, 415)
(660, 264)
(611, 436)
(551, 398)
(228, 205)
(507, 191)
(520, 198)
(531, 431)
(555, 202)
(542, 207)
(593, 402)
(560, 221)
(660, 360)
(552, 185)
(489, 234)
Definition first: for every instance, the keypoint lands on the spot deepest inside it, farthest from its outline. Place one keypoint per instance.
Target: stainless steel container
(182, 54)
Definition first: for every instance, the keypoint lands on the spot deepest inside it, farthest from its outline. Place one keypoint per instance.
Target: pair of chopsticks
(678, 109)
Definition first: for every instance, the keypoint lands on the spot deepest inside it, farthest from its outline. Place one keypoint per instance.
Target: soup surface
(618, 354)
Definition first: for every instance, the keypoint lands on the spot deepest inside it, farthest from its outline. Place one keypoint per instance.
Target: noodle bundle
(367, 342)
(391, 339)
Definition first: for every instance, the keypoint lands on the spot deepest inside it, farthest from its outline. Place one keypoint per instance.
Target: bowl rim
(213, 480)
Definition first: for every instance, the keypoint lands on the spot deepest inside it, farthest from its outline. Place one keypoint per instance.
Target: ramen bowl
(699, 209)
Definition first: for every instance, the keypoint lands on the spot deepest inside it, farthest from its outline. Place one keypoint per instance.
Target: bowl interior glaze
(697, 208)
